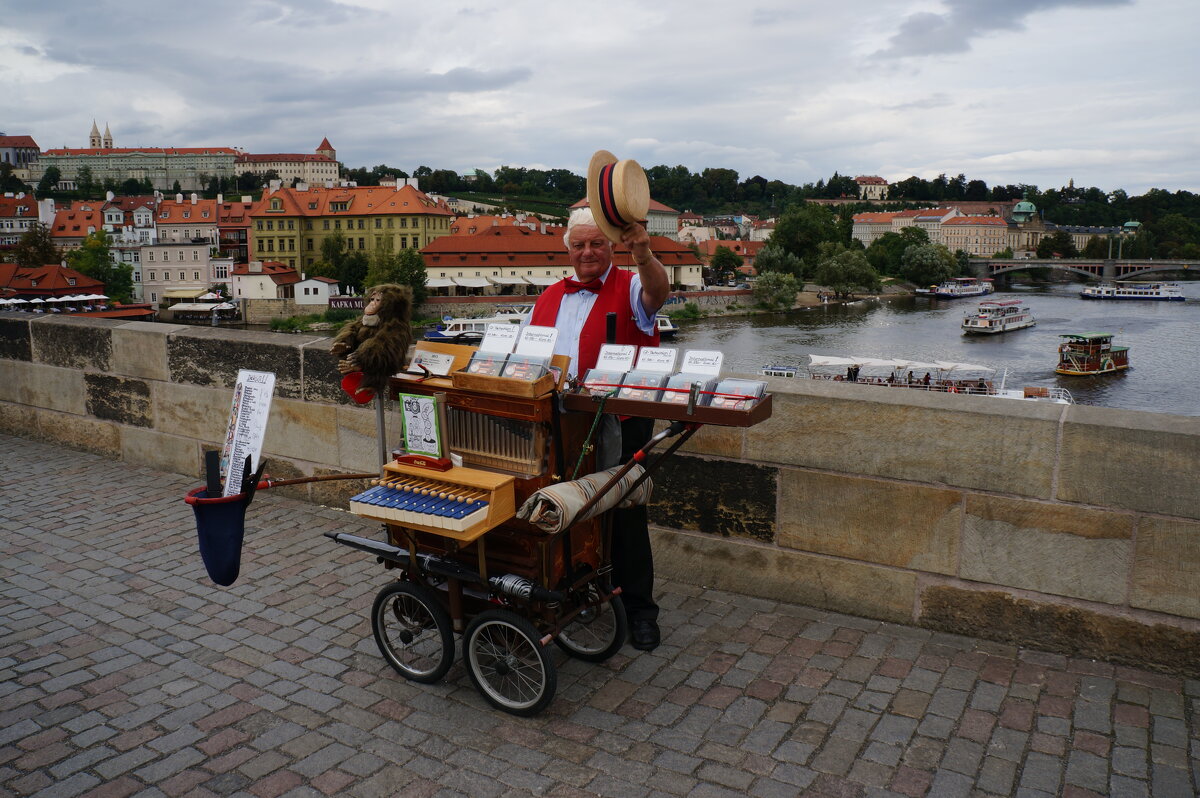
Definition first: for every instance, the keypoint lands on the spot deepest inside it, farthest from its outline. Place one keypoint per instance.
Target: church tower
(94, 137)
(325, 148)
(107, 137)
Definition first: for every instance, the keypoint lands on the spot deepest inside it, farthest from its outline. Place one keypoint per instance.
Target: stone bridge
(1107, 269)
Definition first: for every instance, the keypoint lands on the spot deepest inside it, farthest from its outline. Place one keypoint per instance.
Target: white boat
(959, 287)
(997, 317)
(1168, 292)
(467, 331)
(938, 376)
(779, 371)
(666, 327)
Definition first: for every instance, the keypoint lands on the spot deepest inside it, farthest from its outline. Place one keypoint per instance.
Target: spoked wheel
(598, 631)
(413, 631)
(507, 662)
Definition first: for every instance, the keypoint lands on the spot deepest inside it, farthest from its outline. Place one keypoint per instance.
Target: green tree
(131, 187)
(8, 182)
(845, 271)
(724, 264)
(928, 264)
(385, 267)
(1059, 243)
(354, 269)
(333, 255)
(802, 228)
(774, 259)
(94, 259)
(49, 181)
(776, 289)
(84, 181)
(886, 253)
(36, 248)
(412, 273)
(1097, 247)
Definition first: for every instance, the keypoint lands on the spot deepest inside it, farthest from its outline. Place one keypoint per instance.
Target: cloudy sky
(1020, 91)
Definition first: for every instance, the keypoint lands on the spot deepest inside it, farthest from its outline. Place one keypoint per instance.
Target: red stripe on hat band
(608, 204)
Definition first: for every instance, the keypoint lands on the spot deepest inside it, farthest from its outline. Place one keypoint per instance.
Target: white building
(314, 290)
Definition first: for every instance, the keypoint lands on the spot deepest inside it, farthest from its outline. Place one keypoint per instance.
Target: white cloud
(1035, 91)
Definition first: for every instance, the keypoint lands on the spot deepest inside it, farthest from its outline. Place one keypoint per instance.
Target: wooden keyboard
(462, 503)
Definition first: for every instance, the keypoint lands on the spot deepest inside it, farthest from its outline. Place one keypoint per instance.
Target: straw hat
(617, 192)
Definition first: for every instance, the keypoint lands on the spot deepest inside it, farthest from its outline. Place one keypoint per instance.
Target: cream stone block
(18, 420)
(191, 411)
(907, 526)
(140, 349)
(713, 440)
(781, 575)
(46, 387)
(1166, 567)
(79, 432)
(1058, 549)
(964, 441)
(357, 441)
(1132, 460)
(302, 430)
(161, 451)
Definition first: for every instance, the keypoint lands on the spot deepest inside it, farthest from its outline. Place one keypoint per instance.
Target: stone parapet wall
(1065, 527)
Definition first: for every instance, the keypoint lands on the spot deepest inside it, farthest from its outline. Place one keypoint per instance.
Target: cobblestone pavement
(125, 671)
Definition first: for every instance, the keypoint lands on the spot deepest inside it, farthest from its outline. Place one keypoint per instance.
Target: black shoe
(643, 633)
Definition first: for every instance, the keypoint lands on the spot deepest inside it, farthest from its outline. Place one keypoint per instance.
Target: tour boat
(666, 328)
(936, 376)
(1169, 292)
(998, 317)
(779, 371)
(467, 331)
(959, 287)
(1084, 354)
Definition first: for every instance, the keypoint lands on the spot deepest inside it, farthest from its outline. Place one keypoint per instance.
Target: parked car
(743, 285)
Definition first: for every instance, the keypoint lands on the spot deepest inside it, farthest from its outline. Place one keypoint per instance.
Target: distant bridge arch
(1094, 269)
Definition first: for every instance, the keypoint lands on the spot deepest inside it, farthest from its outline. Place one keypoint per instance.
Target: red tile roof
(18, 141)
(995, 221)
(654, 206)
(325, 145)
(153, 150)
(51, 281)
(74, 222)
(873, 218)
(171, 212)
(510, 247)
(469, 225)
(9, 205)
(281, 156)
(360, 200)
(269, 267)
(747, 249)
(871, 180)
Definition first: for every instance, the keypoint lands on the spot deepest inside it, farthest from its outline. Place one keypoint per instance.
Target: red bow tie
(573, 286)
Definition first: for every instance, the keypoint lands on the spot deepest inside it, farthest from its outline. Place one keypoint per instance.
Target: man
(578, 307)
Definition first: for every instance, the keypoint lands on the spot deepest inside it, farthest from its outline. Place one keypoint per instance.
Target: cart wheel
(599, 631)
(508, 663)
(413, 631)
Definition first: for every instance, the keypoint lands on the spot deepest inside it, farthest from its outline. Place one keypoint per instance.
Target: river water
(1163, 340)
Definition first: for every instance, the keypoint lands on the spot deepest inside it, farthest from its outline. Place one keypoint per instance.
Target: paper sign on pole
(499, 338)
(616, 357)
(537, 341)
(657, 359)
(247, 426)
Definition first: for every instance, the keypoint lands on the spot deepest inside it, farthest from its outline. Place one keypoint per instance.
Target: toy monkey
(377, 344)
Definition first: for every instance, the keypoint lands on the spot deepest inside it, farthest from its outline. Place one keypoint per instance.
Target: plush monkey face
(371, 311)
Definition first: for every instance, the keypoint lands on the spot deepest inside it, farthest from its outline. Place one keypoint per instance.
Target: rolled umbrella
(552, 509)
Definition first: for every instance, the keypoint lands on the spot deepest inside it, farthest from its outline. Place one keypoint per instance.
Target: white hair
(579, 216)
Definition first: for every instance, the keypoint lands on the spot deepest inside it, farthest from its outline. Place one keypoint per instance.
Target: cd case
(644, 385)
(679, 387)
(526, 367)
(488, 363)
(745, 393)
(601, 381)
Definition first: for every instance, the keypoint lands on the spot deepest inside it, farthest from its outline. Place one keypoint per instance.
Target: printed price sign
(247, 426)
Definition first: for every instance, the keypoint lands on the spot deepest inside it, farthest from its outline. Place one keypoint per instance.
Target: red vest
(613, 297)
